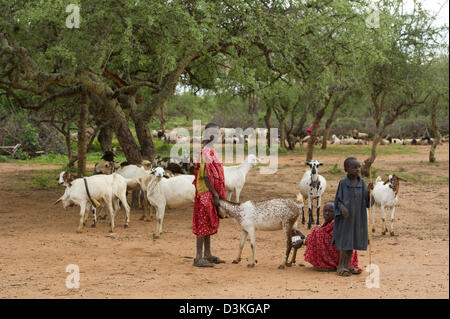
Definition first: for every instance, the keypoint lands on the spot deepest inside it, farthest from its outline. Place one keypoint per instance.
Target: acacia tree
(438, 80)
(123, 52)
(401, 45)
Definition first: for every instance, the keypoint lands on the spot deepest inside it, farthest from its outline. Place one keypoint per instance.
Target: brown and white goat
(385, 195)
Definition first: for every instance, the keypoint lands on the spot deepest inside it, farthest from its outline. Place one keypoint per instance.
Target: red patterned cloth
(206, 219)
(319, 251)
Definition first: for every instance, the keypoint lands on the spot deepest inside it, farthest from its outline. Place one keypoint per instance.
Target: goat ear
(307, 163)
(320, 163)
(401, 179)
(166, 176)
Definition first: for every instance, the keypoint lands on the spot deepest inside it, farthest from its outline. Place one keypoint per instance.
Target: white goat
(273, 214)
(335, 140)
(385, 196)
(173, 192)
(110, 189)
(235, 176)
(131, 172)
(312, 186)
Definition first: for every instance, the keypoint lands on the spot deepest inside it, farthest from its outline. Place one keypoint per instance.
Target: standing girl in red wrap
(209, 185)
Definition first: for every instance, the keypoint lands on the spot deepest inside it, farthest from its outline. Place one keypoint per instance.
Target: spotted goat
(273, 214)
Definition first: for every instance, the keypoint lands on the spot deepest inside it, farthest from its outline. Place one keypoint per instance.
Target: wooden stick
(370, 219)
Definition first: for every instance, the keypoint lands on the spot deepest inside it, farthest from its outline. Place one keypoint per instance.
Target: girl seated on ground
(319, 251)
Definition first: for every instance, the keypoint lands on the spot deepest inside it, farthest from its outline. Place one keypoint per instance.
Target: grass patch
(351, 150)
(335, 169)
(39, 179)
(423, 178)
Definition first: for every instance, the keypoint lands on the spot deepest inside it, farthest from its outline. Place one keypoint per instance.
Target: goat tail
(378, 180)
(299, 198)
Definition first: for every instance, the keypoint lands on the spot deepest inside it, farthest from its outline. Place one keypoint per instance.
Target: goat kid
(273, 214)
(385, 195)
(312, 186)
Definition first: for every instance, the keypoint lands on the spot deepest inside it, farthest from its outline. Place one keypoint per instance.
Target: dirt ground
(38, 240)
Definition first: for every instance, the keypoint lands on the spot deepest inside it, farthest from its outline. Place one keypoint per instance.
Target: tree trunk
(315, 129)
(283, 132)
(434, 127)
(92, 139)
(365, 168)
(82, 138)
(145, 139)
(332, 118)
(68, 145)
(326, 132)
(105, 138)
(312, 140)
(267, 121)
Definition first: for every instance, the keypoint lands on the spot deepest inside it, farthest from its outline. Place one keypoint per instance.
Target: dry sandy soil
(38, 240)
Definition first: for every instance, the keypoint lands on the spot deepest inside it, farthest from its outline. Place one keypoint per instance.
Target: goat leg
(94, 214)
(294, 256)
(318, 210)
(303, 216)
(310, 218)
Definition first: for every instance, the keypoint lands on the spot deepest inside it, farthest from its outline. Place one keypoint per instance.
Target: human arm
(340, 208)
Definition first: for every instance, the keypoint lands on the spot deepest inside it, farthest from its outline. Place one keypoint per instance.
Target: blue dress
(351, 233)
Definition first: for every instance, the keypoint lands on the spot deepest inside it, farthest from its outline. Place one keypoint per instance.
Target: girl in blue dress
(350, 211)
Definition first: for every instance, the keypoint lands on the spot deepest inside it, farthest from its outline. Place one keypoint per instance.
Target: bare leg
(199, 248)
(342, 270)
(207, 245)
(199, 261)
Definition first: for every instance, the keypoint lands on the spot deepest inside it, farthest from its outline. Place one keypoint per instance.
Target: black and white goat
(312, 186)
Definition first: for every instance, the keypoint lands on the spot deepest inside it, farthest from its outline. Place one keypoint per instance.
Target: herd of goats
(167, 183)
(230, 136)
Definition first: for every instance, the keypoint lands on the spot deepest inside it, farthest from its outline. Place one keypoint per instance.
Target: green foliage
(21, 155)
(335, 169)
